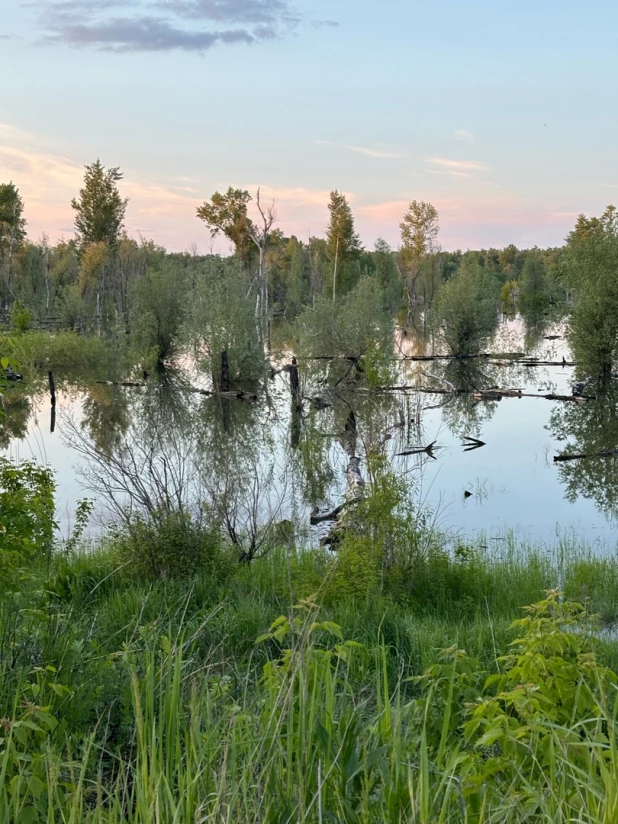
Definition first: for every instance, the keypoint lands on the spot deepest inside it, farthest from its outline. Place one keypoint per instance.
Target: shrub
(466, 310)
(27, 511)
(171, 545)
(21, 318)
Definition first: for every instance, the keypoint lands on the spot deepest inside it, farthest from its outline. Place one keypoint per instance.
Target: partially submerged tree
(159, 303)
(356, 332)
(591, 273)
(223, 327)
(467, 310)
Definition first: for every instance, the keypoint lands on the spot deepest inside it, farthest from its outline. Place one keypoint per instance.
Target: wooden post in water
(52, 392)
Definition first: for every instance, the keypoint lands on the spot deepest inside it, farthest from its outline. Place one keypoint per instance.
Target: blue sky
(502, 114)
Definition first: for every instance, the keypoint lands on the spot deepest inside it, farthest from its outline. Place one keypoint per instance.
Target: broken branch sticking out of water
(419, 450)
(473, 443)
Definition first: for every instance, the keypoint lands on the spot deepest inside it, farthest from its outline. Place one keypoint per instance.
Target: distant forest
(104, 282)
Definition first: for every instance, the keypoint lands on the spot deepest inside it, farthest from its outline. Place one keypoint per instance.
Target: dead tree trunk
(225, 372)
(52, 393)
(295, 384)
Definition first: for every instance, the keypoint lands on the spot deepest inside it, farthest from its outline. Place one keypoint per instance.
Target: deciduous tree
(226, 214)
(419, 239)
(12, 231)
(99, 209)
(343, 243)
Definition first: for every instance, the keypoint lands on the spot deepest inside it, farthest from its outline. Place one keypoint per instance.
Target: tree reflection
(586, 428)
(106, 416)
(17, 411)
(464, 414)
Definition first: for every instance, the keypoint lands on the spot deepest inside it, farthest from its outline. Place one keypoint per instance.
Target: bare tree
(260, 235)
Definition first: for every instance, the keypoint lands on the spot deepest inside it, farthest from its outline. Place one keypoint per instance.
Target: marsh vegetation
(255, 607)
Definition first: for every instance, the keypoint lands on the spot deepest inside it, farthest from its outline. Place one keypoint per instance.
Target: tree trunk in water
(225, 372)
(52, 392)
(295, 384)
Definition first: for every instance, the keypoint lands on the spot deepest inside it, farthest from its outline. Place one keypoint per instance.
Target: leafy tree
(466, 309)
(223, 321)
(591, 273)
(99, 209)
(419, 234)
(387, 274)
(356, 331)
(227, 214)
(343, 243)
(159, 307)
(12, 231)
(533, 292)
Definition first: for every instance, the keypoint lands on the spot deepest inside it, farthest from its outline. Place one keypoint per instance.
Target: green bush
(171, 545)
(21, 318)
(27, 511)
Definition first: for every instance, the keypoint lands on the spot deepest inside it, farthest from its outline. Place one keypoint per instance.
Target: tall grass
(129, 701)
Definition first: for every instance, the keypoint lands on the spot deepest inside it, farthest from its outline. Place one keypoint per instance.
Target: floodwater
(262, 460)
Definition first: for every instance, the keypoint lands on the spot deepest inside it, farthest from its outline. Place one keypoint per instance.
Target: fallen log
(121, 383)
(578, 456)
(484, 394)
(232, 393)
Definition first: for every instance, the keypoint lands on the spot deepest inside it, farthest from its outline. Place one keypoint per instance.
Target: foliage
(99, 209)
(591, 273)
(358, 329)
(342, 243)
(466, 310)
(223, 320)
(159, 308)
(26, 514)
(168, 544)
(21, 318)
(227, 214)
(586, 429)
(387, 275)
(419, 233)
(508, 294)
(533, 287)
(12, 222)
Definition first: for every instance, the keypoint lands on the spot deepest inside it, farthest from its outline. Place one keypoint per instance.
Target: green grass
(123, 700)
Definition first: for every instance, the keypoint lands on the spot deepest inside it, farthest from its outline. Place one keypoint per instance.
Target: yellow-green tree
(419, 240)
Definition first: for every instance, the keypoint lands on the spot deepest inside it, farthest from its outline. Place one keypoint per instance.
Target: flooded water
(123, 445)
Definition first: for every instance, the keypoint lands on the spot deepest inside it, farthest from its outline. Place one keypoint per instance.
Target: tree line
(103, 281)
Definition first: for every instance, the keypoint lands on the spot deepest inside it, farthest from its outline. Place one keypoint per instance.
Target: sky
(502, 113)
